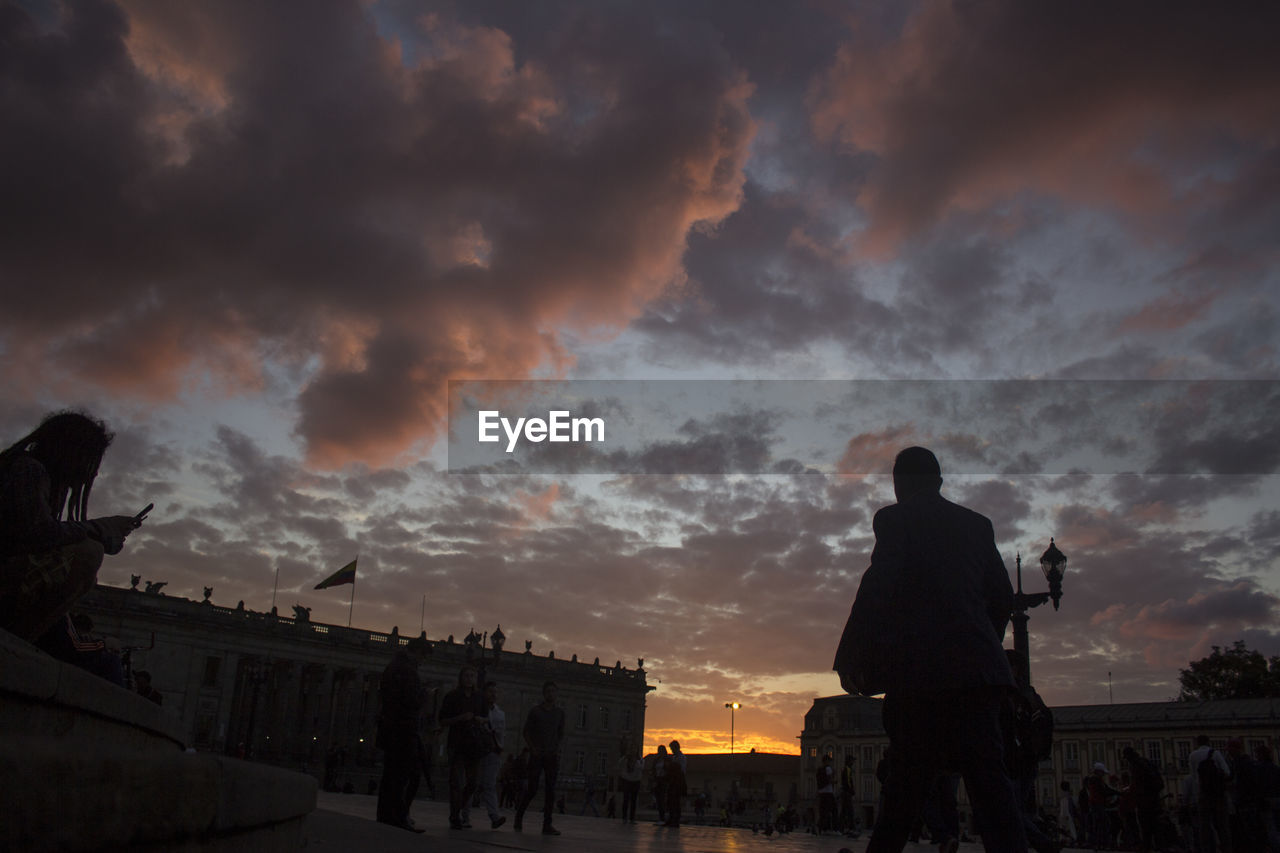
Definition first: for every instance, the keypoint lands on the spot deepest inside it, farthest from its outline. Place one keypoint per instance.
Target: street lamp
(1054, 564)
(732, 706)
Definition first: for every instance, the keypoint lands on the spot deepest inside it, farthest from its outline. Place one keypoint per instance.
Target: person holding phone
(50, 550)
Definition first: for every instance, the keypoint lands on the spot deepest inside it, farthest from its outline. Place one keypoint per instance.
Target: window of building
(813, 752)
(1071, 756)
(1097, 752)
(1181, 751)
(869, 757)
(830, 720)
(626, 719)
(582, 716)
(212, 666)
(1154, 753)
(602, 763)
(604, 719)
(579, 761)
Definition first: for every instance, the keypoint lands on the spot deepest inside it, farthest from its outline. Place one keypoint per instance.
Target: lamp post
(1054, 565)
(482, 650)
(732, 706)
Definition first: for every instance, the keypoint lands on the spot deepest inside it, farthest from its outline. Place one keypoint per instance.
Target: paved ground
(345, 822)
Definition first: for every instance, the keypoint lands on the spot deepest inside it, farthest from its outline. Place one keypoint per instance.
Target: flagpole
(274, 587)
(352, 608)
(422, 626)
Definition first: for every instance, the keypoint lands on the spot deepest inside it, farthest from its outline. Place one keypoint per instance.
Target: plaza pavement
(344, 823)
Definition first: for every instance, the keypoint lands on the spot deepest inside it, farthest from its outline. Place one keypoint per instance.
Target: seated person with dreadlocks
(48, 561)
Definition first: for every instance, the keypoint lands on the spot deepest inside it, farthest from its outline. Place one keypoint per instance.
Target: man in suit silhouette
(951, 600)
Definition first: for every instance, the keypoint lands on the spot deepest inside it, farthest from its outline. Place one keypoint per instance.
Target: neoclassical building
(1084, 735)
(289, 691)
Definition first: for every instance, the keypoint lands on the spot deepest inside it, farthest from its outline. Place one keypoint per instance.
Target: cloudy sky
(261, 239)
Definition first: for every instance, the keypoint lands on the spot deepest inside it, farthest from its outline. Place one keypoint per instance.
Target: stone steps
(87, 766)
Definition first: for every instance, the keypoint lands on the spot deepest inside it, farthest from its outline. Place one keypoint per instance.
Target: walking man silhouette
(939, 586)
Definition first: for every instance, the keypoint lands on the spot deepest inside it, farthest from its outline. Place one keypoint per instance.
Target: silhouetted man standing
(402, 697)
(938, 582)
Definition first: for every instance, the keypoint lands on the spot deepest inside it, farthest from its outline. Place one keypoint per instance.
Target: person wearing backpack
(677, 783)
(1147, 785)
(826, 782)
(1210, 775)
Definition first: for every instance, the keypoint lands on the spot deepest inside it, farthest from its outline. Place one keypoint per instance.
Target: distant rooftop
(861, 714)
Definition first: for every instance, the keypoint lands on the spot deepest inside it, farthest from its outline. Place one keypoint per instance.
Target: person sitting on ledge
(47, 562)
(142, 680)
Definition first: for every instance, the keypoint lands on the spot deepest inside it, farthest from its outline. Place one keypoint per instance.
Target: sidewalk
(345, 822)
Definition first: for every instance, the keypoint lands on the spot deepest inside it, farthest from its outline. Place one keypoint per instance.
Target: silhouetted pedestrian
(630, 771)
(589, 797)
(1209, 794)
(677, 784)
(848, 818)
(497, 722)
(826, 782)
(927, 629)
(463, 714)
(543, 733)
(659, 782)
(1146, 785)
(401, 697)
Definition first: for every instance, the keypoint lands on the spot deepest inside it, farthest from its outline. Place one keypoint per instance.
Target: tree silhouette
(1236, 673)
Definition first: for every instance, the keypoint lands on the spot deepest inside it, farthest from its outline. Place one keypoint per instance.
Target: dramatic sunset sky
(259, 239)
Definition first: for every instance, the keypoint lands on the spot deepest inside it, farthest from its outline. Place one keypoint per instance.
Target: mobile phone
(142, 513)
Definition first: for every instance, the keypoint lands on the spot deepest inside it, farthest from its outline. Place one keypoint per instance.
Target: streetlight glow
(732, 706)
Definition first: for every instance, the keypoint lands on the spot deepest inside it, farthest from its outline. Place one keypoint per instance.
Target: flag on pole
(346, 574)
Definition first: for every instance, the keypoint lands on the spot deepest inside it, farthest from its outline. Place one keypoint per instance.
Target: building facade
(297, 693)
(1084, 735)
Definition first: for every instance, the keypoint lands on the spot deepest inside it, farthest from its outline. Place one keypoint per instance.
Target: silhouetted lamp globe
(1054, 564)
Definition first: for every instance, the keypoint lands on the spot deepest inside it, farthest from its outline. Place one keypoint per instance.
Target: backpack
(1149, 778)
(1213, 782)
(1035, 722)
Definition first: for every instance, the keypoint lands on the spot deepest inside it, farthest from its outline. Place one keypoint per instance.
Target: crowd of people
(1229, 802)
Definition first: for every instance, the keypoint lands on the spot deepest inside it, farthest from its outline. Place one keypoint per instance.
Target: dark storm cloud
(762, 283)
(1096, 108)
(243, 186)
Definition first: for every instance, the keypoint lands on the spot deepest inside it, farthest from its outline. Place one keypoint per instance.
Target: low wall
(88, 766)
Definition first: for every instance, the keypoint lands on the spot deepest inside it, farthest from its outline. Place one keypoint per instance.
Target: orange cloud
(873, 453)
(377, 216)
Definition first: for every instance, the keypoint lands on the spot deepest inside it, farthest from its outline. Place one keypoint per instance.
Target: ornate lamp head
(1054, 565)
